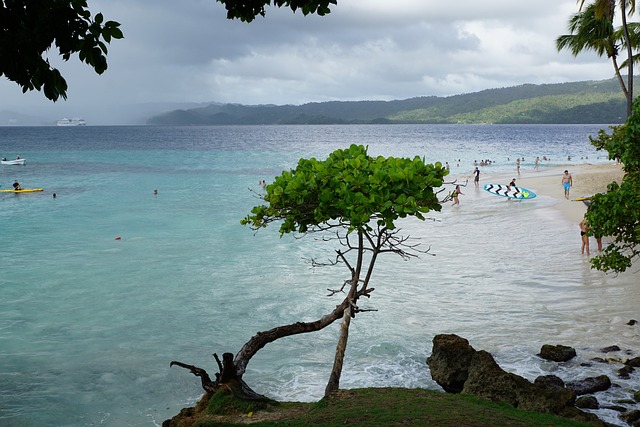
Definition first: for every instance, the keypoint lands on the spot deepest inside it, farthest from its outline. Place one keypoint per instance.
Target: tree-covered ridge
(576, 102)
(573, 108)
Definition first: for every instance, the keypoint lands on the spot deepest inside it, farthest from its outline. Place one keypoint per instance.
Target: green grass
(373, 407)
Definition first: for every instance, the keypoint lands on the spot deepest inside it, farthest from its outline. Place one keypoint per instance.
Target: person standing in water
(567, 182)
(583, 235)
(476, 179)
(455, 194)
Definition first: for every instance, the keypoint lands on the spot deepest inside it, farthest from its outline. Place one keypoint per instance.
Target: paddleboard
(511, 192)
(24, 190)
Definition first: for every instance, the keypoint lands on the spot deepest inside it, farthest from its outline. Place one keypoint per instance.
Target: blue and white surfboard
(511, 192)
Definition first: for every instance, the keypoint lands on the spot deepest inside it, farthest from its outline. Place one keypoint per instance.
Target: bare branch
(208, 385)
(332, 292)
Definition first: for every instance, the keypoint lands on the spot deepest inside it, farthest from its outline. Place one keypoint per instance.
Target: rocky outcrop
(457, 367)
(449, 361)
(635, 362)
(486, 379)
(557, 353)
(590, 385)
(587, 402)
(631, 417)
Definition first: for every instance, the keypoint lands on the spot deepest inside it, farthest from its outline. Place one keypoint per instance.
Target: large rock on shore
(486, 379)
(590, 385)
(449, 361)
(457, 367)
(557, 353)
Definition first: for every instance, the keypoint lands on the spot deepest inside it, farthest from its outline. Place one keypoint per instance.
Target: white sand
(587, 180)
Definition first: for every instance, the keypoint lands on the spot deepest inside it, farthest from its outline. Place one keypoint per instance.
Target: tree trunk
(334, 378)
(227, 379)
(261, 339)
(627, 40)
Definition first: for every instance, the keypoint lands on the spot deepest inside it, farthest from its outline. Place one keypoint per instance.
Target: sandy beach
(587, 180)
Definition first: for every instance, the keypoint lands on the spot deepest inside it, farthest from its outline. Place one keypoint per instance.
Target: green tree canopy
(248, 10)
(616, 213)
(351, 188)
(592, 29)
(28, 29)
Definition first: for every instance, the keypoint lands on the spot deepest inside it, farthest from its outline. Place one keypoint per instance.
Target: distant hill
(577, 102)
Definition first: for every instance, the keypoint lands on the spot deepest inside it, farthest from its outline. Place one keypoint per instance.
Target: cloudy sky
(187, 51)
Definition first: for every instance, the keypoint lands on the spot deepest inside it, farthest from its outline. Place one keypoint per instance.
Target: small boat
(13, 162)
(24, 190)
(71, 122)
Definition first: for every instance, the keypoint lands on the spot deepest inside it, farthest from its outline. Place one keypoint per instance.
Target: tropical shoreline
(588, 180)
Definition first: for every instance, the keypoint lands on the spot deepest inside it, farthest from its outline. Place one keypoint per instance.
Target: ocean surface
(103, 285)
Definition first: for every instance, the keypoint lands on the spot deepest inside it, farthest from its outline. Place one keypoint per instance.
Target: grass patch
(374, 407)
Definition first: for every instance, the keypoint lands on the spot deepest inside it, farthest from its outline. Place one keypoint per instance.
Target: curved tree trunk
(232, 369)
(620, 80)
(627, 39)
(261, 339)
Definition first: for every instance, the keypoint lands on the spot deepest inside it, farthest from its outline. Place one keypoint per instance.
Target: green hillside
(577, 102)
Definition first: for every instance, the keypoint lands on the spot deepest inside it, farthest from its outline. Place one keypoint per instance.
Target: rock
(599, 360)
(624, 372)
(557, 353)
(635, 362)
(631, 416)
(616, 408)
(590, 385)
(454, 363)
(449, 361)
(636, 396)
(550, 381)
(632, 322)
(486, 379)
(587, 402)
(610, 349)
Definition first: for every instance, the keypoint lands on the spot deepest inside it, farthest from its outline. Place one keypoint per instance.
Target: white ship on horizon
(71, 122)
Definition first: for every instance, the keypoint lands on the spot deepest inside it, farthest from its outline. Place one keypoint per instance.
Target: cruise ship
(71, 122)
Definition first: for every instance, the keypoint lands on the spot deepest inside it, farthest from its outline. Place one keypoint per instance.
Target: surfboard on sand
(511, 192)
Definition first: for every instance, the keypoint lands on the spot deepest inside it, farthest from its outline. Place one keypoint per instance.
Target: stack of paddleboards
(510, 191)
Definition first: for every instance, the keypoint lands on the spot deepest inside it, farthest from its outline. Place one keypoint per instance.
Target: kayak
(24, 190)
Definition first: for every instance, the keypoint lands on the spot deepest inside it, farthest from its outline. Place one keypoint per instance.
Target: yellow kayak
(24, 190)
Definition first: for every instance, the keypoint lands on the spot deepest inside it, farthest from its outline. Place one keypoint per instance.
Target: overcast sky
(187, 51)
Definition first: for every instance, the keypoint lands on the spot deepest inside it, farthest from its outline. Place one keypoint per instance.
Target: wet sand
(587, 181)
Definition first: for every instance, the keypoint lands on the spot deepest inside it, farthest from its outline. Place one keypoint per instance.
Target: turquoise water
(90, 322)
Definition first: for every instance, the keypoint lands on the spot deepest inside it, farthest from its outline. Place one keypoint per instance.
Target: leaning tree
(355, 199)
